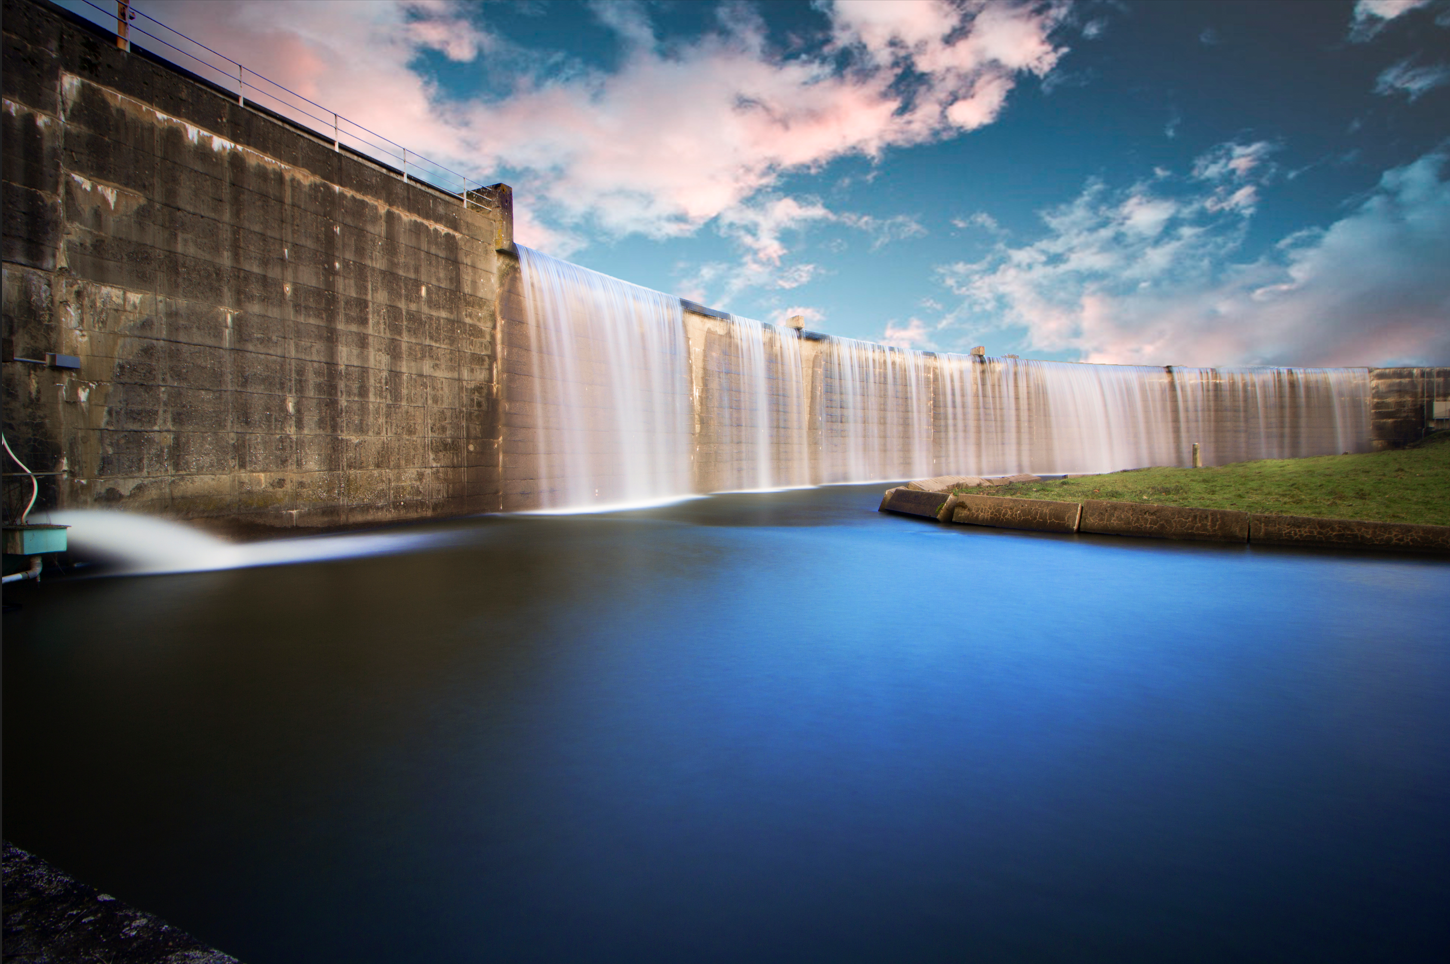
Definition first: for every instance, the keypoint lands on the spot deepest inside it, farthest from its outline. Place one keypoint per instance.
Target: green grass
(1404, 485)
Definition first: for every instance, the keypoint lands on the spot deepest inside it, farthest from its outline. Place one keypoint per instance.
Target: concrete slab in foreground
(914, 502)
(1037, 515)
(1164, 521)
(50, 917)
(1296, 530)
(1161, 521)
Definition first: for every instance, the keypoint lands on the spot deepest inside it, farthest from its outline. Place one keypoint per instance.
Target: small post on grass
(1197, 457)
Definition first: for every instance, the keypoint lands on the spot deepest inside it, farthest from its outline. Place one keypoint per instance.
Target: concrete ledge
(913, 502)
(1037, 515)
(1296, 530)
(1164, 521)
(945, 483)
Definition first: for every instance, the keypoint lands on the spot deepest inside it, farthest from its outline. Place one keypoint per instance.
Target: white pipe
(34, 483)
(32, 573)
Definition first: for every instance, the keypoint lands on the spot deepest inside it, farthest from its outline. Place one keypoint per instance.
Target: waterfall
(1001, 416)
(1239, 414)
(761, 418)
(615, 395)
(876, 413)
(608, 420)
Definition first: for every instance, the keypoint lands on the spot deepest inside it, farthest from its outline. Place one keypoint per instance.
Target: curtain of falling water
(1001, 416)
(611, 420)
(612, 409)
(764, 430)
(793, 466)
(876, 413)
(1239, 414)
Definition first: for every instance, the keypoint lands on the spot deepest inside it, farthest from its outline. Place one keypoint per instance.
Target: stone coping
(1146, 520)
(50, 916)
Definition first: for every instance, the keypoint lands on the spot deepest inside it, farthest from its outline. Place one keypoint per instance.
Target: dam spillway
(285, 333)
(617, 395)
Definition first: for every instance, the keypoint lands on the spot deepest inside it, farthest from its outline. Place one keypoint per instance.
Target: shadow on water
(772, 726)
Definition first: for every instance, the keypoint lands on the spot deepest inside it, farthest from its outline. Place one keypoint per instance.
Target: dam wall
(213, 313)
(268, 330)
(1406, 404)
(617, 395)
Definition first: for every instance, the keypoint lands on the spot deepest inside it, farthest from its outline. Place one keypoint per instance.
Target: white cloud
(811, 316)
(1412, 81)
(914, 334)
(672, 138)
(980, 219)
(1370, 16)
(883, 231)
(1368, 290)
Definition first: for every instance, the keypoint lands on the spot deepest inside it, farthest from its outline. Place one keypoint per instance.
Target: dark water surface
(754, 727)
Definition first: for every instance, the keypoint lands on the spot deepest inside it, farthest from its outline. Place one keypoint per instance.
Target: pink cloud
(672, 139)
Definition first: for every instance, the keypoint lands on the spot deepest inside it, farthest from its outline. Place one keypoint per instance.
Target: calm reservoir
(767, 726)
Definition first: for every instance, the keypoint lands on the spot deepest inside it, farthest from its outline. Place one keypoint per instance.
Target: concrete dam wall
(615, 395)
(273, 331)
(268, 329)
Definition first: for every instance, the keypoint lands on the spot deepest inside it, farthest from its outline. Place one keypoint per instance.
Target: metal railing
(253, 88)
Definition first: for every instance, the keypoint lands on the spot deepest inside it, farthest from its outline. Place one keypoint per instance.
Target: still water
(753, 727)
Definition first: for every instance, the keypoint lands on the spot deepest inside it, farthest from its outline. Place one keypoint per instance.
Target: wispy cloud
(1410, 80)
(883, 231)
(811, 316)
(671, 139)
(914, 334)
(1136, 277)
(981, 220)
(1370, 16)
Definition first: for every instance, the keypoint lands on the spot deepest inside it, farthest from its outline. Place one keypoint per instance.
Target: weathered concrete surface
(270, 331)
(1294, 530)
(50, 918)
(1400, 404)
(913, 502)
(1164, 521)
(1038, 515)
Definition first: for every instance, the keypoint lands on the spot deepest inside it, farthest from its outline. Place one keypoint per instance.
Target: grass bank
(1405, 485)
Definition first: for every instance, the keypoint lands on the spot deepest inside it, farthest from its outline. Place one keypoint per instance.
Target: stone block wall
(269, 330)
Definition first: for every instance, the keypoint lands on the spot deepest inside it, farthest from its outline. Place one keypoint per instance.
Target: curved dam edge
(1146, 520)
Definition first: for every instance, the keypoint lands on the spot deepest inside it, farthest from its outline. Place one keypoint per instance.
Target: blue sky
(1165, 183)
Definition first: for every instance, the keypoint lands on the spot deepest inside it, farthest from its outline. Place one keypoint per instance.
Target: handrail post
(335, 146)
(241, 85)
(405, 164)
(123, 25)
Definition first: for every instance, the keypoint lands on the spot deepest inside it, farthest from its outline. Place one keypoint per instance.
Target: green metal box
(33, 540)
